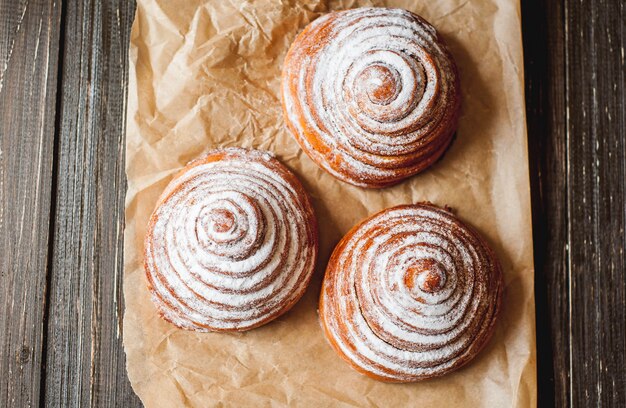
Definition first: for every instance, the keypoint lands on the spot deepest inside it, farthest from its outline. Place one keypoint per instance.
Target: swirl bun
(371, 94)
(409, 294)
(231, 244)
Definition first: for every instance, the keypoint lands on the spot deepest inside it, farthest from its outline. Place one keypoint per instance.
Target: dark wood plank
(575, 107)
(85, 358)
(544, 60)
(596, 201)
(29, 37)
(544, 95)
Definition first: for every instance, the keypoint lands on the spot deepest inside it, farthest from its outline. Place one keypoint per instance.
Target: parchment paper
(205, 74)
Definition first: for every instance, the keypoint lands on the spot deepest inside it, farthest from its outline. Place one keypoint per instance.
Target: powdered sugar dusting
(412, 294)
(232, 244)
(377, 89)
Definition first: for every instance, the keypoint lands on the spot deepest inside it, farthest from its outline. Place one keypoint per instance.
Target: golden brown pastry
(231, 244)
(371, 94)
(410, 293)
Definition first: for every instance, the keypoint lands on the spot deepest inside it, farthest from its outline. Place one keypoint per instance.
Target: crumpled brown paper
(205, 74)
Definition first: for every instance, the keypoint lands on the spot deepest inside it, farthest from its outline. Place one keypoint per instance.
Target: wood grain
(29, 39)
(86, 364)
(596, 201)
(62, 189)
(577, 136)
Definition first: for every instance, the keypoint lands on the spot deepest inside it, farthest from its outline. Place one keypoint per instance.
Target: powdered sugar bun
(371, 94)
(409, 294)
(231, 244)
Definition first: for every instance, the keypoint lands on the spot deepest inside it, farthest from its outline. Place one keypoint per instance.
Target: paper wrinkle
(206, 74)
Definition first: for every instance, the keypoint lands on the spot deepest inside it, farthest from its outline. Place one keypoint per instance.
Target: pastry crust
(231, 244)
(409, 294)
(371, 94)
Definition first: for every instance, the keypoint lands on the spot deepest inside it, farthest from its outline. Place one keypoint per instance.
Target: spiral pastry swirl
(371, 94)
(231, 244)
(409, 294)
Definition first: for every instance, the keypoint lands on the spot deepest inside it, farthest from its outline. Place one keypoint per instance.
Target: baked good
(409, 294)
(231, 244)
(371, 94)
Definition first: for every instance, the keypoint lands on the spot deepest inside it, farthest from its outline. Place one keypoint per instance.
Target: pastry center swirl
(381, 84)
(387, 87)
(222, 220)
(231, 226)
(426, 275)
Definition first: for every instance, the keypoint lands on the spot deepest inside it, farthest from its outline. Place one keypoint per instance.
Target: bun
(231, 244)
(371, 94)
(409, 294)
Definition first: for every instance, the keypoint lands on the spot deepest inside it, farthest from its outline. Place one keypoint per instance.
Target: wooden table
(63, 77)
